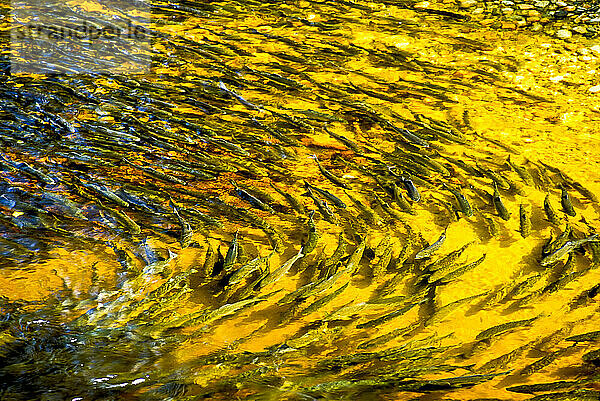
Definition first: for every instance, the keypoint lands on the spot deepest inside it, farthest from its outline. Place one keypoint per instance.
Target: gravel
(562, 19)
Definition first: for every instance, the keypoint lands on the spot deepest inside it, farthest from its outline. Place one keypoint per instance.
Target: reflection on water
(383, 204)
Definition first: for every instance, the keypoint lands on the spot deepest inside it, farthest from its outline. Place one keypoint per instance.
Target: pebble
(536, 27)
(467, 3)
(558, 18)
(595, 89)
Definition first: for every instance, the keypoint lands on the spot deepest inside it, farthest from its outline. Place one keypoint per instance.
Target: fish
(186, 230)
(294, 203)
(500, 208)
(387, 208)
(157, 174)
(276, 274)
(248, 268)
(545, 361)
(232, 253)
(323, 207)
(552, 246)
(380, 267)
(352, 265)
(592, 357)
(447, 261)
(337, 181)
(522, 172)
(524, 222)
(413, 192)
(544, 387)
(333, 261)
(366, 211)
(251, 199)
(492, 225)
(326, 194)
(498, 329)
(313, 235)
(497, 179)
(447, 309)
(567, 248)
(388, 336)
(461, 270)
(572, 395)
(238, 97)
(565, 201)
(503, 360)
(590, 336)
(399, 198)
(431, 249)
(551, 214)
(319, 303)
(351, 145)
(389, 316)
(465, 207)
(210, 260)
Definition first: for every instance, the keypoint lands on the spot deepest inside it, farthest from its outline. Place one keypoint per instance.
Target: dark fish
(545, 361)
(232, 253)
(524, 221)
(496, 330)
(403, 203)
(238, 97)
(251, 199)
(565, 201)
(522, 172)
(366, 211)
(543, 387)
(413, 192)
(500, 208)
(461, 270)
(585, 337)
(319, 303)
(465, 207)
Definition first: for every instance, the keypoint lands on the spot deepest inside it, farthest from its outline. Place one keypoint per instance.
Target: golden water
(526, 91)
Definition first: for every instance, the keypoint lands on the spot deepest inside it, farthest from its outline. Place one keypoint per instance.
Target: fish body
(329, 175)
(280, 271)
(465, 207)
(524, 221)
(294, 203)
(411, 189)
(567, 248)
(496, 330)
(251, 199)
(232, 253)
(551, 214)
(328, 195)
(565, 201)
(499, 205)
(522, 172)
(313, 236)
(323, 207)
(431, 249)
